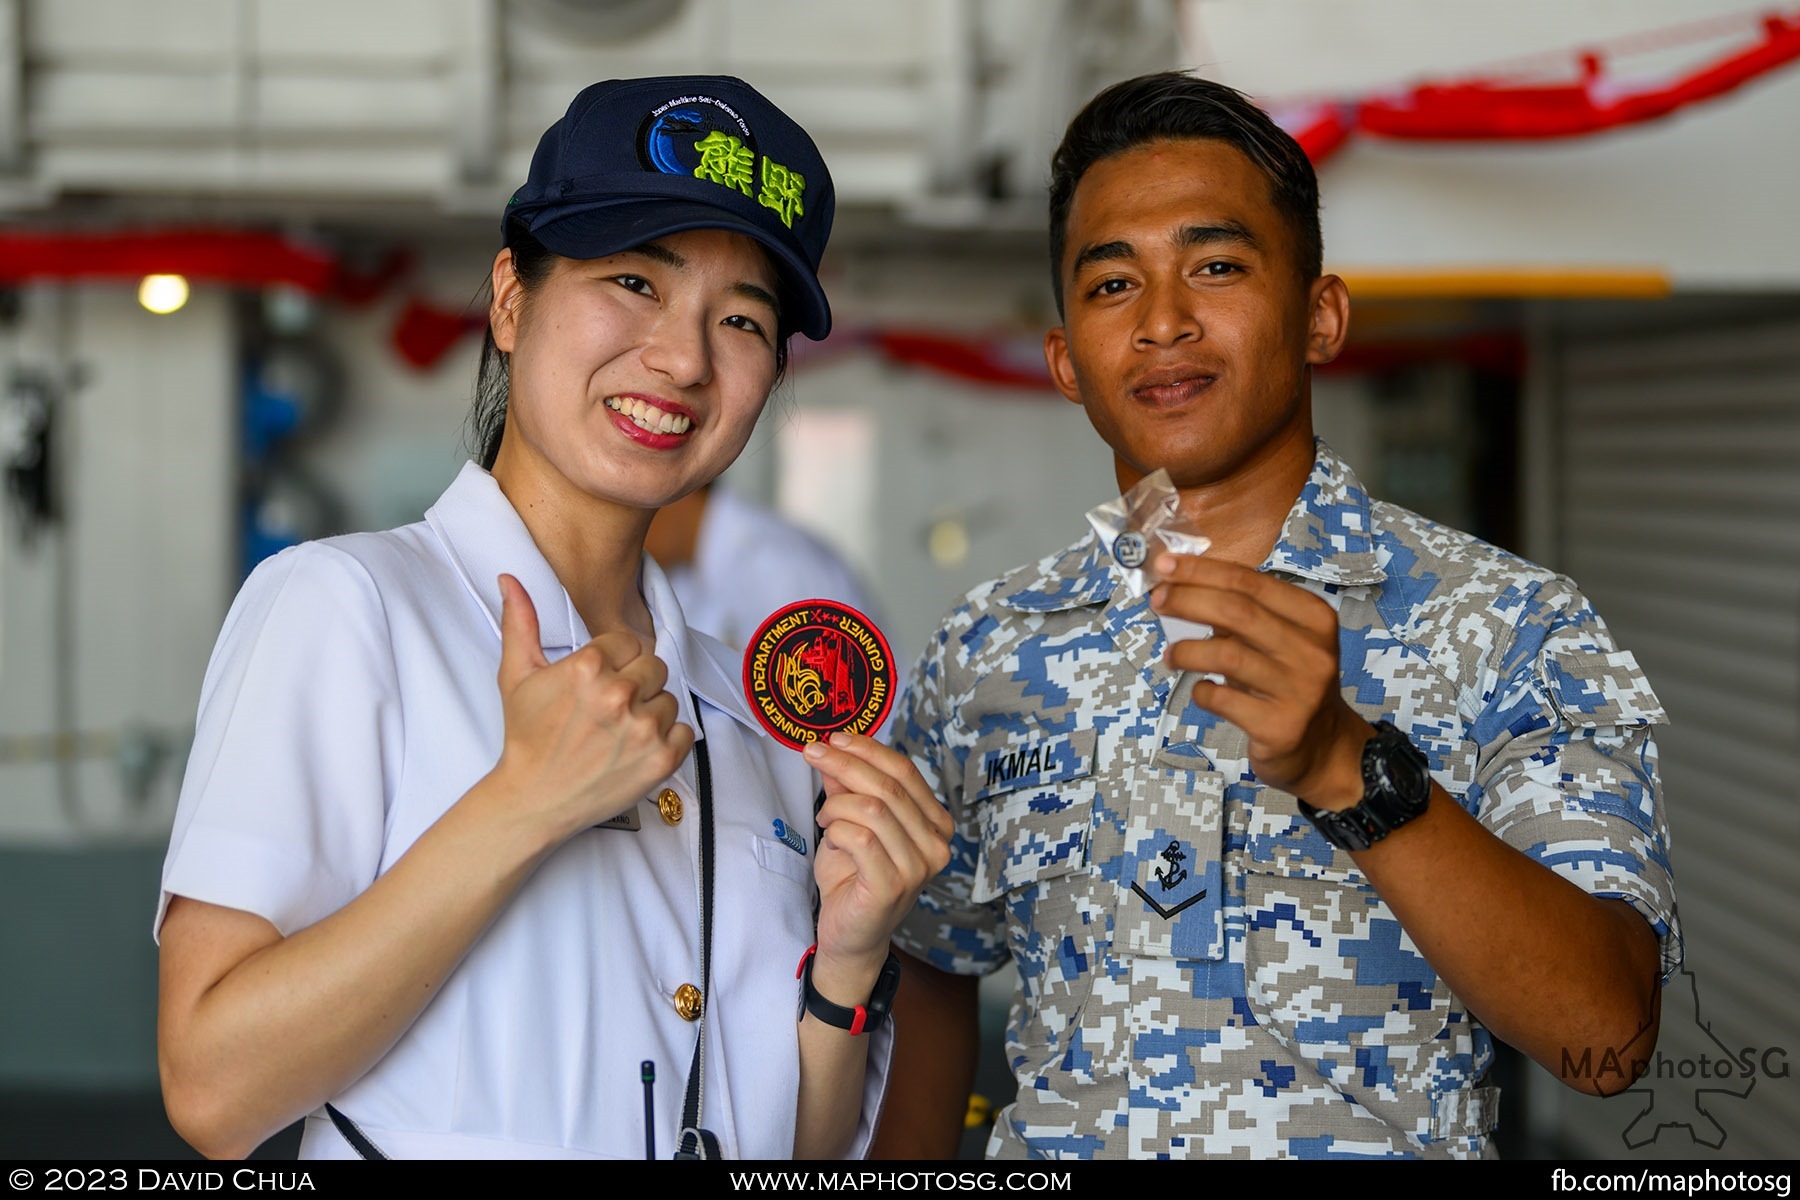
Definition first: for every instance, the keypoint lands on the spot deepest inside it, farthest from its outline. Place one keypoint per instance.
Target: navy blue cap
(638, 159)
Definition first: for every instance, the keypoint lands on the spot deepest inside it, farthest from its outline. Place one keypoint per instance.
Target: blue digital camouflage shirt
(1200, 972)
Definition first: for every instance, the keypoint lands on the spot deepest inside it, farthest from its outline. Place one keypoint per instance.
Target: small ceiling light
(163, 294)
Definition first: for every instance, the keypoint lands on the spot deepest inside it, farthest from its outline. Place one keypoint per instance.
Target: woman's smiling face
(638, 377)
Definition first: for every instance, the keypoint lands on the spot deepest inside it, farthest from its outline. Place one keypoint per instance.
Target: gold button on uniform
(687, 1000)
(669, 805)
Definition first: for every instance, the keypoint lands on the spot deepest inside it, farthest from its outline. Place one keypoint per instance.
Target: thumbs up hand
(589, 735)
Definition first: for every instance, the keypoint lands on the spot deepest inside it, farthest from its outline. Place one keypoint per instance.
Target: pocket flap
(782, 859)
(1030, 836)
(1278, 840)
(1592, 689)
(1034, 817)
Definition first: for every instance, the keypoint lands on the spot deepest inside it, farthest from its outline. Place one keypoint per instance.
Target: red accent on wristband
(860, 1020)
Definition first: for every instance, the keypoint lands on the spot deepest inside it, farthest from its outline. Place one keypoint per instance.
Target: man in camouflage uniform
(1202, 969)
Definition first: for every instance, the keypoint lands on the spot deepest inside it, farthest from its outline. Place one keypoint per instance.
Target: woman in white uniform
(438, 878)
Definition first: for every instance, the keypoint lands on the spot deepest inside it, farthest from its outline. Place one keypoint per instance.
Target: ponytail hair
(486, 425)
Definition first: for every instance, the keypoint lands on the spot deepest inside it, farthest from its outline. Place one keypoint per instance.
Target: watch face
(1396, 788)
(1400, 769)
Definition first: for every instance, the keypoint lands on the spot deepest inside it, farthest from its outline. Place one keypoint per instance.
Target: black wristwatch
(1396, 788)
(863, 1017)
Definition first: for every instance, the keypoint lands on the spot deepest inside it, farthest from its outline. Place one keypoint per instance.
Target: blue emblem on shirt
(784, 833)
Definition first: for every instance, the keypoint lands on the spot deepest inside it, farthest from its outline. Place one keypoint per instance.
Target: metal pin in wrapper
(1137, 527)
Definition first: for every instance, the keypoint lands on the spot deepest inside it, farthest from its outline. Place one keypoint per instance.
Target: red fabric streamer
(1485, 110)
(1476, 111)
(1321, 130)
(984, 361)
(235, 257)
(423, 334)
(357, 288)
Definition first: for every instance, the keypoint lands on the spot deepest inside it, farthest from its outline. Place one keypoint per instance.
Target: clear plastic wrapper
(1137, 527)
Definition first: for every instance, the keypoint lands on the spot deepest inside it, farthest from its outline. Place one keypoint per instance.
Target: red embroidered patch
(815, 667)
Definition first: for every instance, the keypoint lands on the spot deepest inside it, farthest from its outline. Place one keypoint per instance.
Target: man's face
(1188, 330)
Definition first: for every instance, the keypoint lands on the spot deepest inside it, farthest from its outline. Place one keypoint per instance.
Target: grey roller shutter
(1673, 467)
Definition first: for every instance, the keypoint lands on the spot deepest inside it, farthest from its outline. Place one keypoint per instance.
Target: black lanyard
(698, 1143)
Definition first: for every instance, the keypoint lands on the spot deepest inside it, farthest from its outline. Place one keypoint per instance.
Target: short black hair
(1176, 106)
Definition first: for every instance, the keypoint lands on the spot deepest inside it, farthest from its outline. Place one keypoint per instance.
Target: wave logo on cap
(705, 137)
(816, 667)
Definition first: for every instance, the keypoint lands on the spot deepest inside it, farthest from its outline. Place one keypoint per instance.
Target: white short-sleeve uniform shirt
(351, 700)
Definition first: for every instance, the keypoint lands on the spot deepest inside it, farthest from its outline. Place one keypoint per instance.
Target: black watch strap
(861, 1018)
(1396, 788)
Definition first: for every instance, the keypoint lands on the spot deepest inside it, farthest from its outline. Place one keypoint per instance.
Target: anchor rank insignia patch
(816, 667)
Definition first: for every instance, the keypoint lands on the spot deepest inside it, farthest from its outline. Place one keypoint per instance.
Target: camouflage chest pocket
(1330, 974)
(1326, 961)
(1033, 796)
